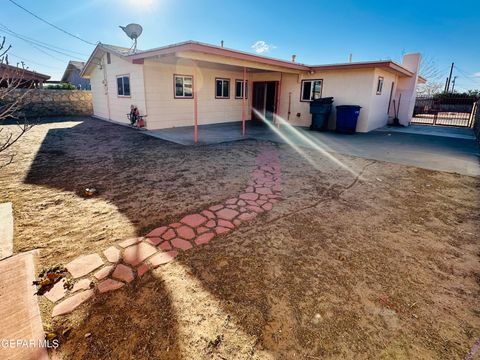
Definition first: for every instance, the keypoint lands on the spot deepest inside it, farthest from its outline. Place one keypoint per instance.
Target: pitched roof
(72, 65)
(19, 73)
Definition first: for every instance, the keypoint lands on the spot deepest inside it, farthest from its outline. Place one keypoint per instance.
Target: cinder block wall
(45, 102)
(476, 122)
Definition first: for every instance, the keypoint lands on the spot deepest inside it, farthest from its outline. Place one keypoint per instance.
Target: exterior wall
(476, 121)
(378, 107)
(107, 104)
(75, 79)
(46, 103)
(165, 111)
(407, 88)
(347, 87)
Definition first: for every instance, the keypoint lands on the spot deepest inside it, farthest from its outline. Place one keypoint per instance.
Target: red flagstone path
(121, 263)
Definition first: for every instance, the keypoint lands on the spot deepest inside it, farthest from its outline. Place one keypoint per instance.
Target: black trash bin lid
(325, 100)
(348, 107)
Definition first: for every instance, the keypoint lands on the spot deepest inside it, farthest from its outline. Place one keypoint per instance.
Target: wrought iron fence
(444, 109)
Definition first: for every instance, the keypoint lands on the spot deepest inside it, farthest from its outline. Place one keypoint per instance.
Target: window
(239, 89)
(311, 90)
(379, 85)
(123, 85)
(109, 60)
(183, 86)
(222, 88)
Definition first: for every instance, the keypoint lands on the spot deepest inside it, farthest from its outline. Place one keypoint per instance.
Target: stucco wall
(476, 122)
(107, 104)
(165, 111)
(378, 107)
(45, 102)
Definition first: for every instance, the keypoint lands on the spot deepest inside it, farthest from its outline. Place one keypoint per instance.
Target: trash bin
(347, 116)
(320, 110)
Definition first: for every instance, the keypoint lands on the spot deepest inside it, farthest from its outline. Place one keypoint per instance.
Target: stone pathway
(126, 260)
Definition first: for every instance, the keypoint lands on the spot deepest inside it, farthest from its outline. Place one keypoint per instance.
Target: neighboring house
(72, 75)
(22, 78)
(194, 83)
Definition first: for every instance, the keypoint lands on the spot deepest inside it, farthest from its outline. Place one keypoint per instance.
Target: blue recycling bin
(347, 116)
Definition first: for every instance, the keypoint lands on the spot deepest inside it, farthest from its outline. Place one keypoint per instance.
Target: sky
(318, 32)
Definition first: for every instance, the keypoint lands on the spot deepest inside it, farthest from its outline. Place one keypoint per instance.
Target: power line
(49, 23)
(468, 77)
(31, 61)
(38, 45)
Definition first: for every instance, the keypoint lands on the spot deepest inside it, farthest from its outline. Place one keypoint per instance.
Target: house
(72, 75)
(191, 84)
(20, 77)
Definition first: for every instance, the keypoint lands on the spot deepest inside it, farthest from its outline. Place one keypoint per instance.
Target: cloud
(477, 74)
(261, 47)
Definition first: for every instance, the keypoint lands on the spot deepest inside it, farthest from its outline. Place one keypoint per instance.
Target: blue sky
(318, 32)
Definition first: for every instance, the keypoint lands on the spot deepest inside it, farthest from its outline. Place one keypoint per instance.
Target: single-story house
(72, 76)
(20, 77)
(192, 83)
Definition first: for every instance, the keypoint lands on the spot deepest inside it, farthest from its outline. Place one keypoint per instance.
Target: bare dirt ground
(379, 266)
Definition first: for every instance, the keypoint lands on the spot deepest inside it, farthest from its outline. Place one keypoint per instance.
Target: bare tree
(11, 102)
(430, 71)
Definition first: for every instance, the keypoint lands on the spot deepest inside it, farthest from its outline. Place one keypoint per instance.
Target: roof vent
(221, 43)
(294, 57)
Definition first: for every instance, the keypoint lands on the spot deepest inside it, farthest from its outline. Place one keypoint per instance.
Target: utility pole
(450, 77)
(453, 84)
(445, 88)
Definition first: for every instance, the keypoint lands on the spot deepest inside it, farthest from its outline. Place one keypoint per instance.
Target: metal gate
(445, 110)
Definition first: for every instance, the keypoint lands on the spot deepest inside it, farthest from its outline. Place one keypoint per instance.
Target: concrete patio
(435, 148)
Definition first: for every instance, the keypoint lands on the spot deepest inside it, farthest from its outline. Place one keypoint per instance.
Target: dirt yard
(383, 264)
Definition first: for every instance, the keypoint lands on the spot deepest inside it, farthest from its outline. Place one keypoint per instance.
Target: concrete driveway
(445, 149)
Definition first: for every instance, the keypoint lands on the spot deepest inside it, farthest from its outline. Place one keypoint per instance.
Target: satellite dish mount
(133, 31)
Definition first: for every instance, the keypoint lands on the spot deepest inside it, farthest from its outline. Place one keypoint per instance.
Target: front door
(264, 101)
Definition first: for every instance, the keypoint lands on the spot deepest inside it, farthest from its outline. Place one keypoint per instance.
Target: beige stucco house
(192, 83)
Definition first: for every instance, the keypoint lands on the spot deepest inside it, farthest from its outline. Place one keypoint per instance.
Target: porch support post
(279, 99)
(244, 102)
(195, 103)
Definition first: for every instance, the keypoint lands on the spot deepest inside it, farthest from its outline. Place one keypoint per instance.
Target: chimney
(294, 57)
(350, 58)
(221, 43)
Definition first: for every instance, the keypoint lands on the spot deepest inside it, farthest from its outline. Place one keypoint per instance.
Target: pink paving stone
(211, 224)
(109, 285)
(268, 206)
(154, 241)
(103, 272)
(57, 292)
(236, 222)
(83, 284)
(273, 201)
(84, 265)
(231, 201)
(208, 214)
(232, 206)
(261, 202)
(124, 273)
(215, 207)
(142, 269)
(257, 209)
(112, 254)
(162, 258)
(175, 225)
(185, 232)
(170, 234)
(249, 189)
(205, 238)
(221, 230)
(193, 220)
(202, 229)
(277, 188)
(70, 304)
(225, 223)
(165, 246)
(263, 190)
(250, 202)
(227, 214)
(247, 216)
(157, 232)
(181, 244)
(241, 203)
(134, 255)
(249, 196)
(264, 197)
(130, 242)
(242, 209)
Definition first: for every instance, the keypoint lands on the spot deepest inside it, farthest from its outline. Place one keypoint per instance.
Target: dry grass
(385, 267)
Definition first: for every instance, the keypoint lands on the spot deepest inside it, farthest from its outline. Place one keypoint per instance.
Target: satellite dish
(133, 31)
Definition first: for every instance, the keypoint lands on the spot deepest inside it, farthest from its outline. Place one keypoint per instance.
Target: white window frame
(241, 89)
(380, 83)
(183, 77)
(223, 80)
(312, 83)
(123, 86)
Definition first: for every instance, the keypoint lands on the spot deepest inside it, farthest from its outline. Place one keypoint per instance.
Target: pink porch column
(279, 99)
(195, 107)
(244, 100)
